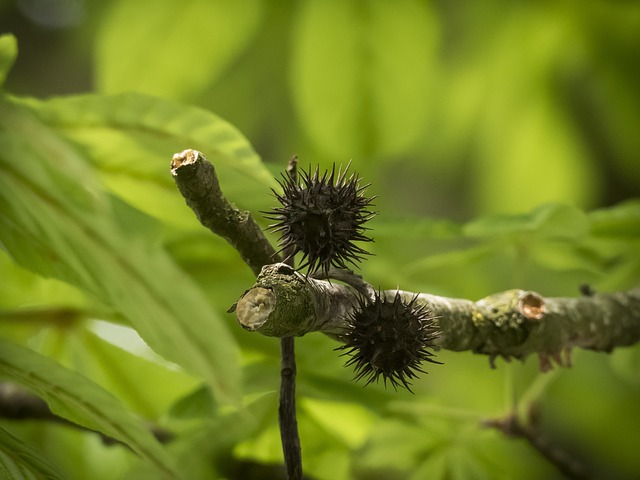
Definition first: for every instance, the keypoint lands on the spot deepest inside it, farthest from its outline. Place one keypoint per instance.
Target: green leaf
(130, 138)
(394, 447)
(416, 228)
(456, 258)
(19, 461)
(192, 44)
(197, 404)
(551, 221)
(147, 387)
(79, 400)
(348, 423)
(58, 221)
(620, 221)
(360, 85)
(215, 438)
(8, 54)
(22, 287)
(561, 256)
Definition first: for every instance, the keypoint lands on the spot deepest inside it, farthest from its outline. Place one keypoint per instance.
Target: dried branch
(511, 324)
(287, 411)
(197, 181)
(287, 407)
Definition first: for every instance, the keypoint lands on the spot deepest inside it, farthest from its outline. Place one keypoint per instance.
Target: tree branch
(511, 324)
(197, 181)
(287, 411)
(287, 417)
(513, 427)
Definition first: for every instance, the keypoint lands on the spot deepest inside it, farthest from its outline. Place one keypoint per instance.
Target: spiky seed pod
(389, 339)
(322, 217)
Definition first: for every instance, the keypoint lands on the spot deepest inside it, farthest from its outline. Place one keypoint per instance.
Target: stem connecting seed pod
(322, 217)
(389, 339)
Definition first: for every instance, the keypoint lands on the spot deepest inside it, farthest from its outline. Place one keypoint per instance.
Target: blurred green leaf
(80, 454)
(436, 465)
(416, 228)
(19, 461)
(528, 150)
(198, 39)
(146, 387)
(529, 165)
(561, 256)
(457, 258)
(81, 401)
(625, 362)
(348, 423)
(56, 226)
(547, 221)
(360, 86)
(620, 221)
(23, 288)
(203, 449)
(199, 403)
(130, 138)
(8, 54)
(396, 447)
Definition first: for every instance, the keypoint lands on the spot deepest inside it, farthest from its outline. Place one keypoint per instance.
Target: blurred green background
(458, 109)
(501, 138)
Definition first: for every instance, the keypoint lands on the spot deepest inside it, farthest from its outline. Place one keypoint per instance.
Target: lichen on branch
(284, 303)
(510, 324)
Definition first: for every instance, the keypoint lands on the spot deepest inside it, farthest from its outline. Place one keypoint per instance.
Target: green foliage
(203, 38)
(75, 398)
(369, 113)
(501, 142)
(76, 232)
(126, 138)
(8, 52)
(18, 461)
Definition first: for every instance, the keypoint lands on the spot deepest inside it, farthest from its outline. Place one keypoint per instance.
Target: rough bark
(510, 324)
(197, 181)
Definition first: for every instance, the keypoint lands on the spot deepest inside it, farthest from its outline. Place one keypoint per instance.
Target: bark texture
(197, 181)
(510, 324)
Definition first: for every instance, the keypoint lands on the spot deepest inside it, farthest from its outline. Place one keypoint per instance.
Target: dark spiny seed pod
(322, 217)
(389, 339)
